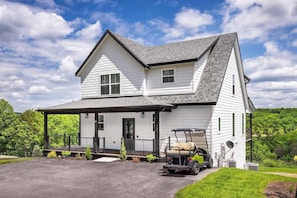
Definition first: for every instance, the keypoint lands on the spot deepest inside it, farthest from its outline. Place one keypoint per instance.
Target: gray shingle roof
(172, 52)
(209, 86)
(136, 103)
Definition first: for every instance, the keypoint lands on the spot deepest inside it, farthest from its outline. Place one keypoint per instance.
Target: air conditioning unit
(231, 163)
(252, 166)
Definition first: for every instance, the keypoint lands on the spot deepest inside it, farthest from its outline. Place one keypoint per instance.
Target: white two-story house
(141, 93)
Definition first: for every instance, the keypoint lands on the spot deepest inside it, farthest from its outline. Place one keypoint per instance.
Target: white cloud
(16, 95)
(66, 70)
(192, 19)
(274, 77)
(39, 90)
(294, 43)
(90, 32)
(188, 22)
(258, 19)
(19, 21)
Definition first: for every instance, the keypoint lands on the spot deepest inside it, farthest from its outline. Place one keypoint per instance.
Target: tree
(24, 133)
(60, 125)
(7, 117)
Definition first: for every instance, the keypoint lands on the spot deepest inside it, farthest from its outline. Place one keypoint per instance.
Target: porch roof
(119, 104)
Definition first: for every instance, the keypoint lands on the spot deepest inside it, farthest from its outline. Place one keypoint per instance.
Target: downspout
(211, 132)
(157, 133)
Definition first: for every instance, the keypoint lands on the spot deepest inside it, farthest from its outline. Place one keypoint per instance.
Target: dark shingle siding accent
(213, 75)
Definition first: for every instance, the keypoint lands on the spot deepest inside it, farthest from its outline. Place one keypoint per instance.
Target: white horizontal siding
(227, 105)
(108, 59)
(182, 117)
(113, 129)
(183, 80)
(198, 69)
(87, 128)
(185, 117)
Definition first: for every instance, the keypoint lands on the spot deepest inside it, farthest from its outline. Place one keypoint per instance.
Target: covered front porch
(92, 108)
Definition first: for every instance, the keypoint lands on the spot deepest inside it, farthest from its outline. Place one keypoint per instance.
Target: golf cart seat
(181, 148)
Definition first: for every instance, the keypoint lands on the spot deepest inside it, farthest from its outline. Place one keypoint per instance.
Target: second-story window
(233, 84)
(168, 75)
(110, 84)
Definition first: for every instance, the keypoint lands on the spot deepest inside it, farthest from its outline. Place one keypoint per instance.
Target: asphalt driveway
(51, 178)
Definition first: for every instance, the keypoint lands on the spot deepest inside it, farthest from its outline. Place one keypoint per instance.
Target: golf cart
(188, 156)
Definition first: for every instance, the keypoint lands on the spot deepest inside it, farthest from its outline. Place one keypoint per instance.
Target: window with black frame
(110, 84)
(168, 75)
(100, 122)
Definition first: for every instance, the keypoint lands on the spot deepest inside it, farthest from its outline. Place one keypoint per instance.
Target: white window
(168, 75)
(110, 84)
(100, 122)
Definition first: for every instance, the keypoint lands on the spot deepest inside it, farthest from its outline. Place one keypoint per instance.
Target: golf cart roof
(196, 135)
(188, 130)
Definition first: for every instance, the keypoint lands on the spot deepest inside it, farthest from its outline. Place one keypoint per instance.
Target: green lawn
(274, 169)
(7, 161)
(229, 182)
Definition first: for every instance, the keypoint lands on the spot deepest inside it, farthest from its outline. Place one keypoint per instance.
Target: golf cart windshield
(196, 135)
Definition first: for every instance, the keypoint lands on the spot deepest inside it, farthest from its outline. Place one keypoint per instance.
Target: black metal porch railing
(74, 143)
(140, 146)
(133, 146)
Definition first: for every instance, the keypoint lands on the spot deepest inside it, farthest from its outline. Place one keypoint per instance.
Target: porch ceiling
(105, 105)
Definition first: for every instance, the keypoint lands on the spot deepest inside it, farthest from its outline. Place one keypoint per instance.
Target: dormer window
(110, 84)
(168, 75)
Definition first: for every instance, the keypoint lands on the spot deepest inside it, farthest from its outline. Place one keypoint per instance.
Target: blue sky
(42, 43)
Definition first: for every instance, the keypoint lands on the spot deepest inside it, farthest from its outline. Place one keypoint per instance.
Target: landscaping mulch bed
(281, 189)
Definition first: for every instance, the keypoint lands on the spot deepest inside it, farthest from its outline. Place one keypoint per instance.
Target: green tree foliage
(20, 132)
(271, 121)
(7, 117)
(25, 132)
(276, 131)
(61, 127)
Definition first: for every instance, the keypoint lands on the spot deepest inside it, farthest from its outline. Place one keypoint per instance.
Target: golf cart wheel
(170, 171)
(195, 169)
(210, 163)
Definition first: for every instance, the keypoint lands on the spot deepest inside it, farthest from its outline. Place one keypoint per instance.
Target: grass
(229, 182)
(7, 161)
(276, 169)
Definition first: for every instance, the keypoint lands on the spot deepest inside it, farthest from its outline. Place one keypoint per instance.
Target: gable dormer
(111, 71)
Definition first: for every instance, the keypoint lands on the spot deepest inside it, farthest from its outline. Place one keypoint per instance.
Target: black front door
(129, 133)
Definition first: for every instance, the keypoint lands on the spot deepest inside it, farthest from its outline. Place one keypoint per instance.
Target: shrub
(66, 153)
(150, 158)
(269, 163)
(88, 153)
(52, 154)
(123, 152)
(37, 152)
(78, 156)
